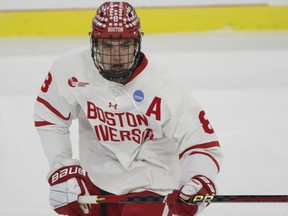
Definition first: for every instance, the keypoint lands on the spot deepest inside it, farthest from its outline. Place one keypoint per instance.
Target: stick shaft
(158, 199)
(119, 199)
(249, 198)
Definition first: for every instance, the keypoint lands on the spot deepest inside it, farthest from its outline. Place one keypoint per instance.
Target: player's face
(116, 54)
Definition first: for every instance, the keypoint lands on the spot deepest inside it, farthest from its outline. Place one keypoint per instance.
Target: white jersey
(146, 135)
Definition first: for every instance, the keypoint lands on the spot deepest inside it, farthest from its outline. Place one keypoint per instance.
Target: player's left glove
(180, 202)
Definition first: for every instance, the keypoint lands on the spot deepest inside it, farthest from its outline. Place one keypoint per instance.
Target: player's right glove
(67, 181)
(180, 202)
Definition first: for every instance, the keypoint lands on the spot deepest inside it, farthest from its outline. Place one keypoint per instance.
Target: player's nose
(116, 55)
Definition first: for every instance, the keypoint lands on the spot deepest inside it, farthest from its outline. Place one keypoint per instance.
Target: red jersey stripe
(52, 109)
(201, 146)
(212, 158)
(42, 123)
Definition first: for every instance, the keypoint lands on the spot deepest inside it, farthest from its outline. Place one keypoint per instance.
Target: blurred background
(231, 54)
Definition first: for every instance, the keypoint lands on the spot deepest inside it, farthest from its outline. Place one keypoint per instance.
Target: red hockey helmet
(116, 21)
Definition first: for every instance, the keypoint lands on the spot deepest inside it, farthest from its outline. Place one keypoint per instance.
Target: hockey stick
(196, 199)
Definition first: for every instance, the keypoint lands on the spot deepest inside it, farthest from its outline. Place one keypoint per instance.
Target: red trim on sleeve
(201, 146)
(42, 123)
(210, 156)
(52, 109)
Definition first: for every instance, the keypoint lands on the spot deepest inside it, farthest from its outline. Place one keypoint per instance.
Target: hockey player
(140, 133)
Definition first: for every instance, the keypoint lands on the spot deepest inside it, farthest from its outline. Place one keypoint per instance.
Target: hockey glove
(67, 181)
(180, 202)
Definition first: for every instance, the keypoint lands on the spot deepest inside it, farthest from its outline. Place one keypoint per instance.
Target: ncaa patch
(138, 96)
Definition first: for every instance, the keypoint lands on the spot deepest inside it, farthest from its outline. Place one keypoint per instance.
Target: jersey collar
(140, 67)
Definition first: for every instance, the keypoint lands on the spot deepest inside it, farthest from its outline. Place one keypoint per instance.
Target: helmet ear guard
(114, 23)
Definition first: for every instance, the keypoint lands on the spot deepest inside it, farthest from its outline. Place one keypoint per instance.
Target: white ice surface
(239, 78)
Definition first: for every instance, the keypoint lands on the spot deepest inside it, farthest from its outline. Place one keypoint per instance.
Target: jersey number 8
(46, 83)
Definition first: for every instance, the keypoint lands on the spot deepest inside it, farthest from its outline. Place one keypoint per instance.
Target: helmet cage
(103, 58)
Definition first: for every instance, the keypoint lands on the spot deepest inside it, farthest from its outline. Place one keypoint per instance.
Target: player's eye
(124, 46)
(106, 46)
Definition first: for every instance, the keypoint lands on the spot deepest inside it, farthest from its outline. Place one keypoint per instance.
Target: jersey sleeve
(54, 110)
(189, 127)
